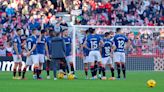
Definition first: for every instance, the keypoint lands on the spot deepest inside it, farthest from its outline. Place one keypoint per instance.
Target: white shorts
(107, 60)
(119, 57)
(41, 58)
(69, 58)
(95, 55)
(16, 59)
(86, 59)
(33, 59)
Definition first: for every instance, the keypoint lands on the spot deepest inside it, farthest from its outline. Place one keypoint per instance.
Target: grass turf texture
(135, 82)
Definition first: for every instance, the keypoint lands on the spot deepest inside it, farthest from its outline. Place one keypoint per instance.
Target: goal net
(146, 52)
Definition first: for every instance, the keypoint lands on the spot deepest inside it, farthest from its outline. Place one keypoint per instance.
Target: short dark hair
(33, 29)
(43, 31)
(91, 30)
(51, 32)
(87, 31)
(118, 30)
(18, 29)
(106, 34)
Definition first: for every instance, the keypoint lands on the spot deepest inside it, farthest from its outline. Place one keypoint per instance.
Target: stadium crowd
(41, 14)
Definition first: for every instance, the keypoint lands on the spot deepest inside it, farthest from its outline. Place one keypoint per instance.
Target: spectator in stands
(9, 48)
(2, 49)
(29, 14)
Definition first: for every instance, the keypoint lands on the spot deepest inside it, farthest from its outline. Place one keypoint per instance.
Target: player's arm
(85, 45)
(112, 50)
(101, 43)
(64, 46)
(23, 43)
(39, 39)
(47, 51)
(33, 48)
(128, 44)
(15, 47)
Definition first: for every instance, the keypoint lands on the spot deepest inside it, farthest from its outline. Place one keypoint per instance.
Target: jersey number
(107, 51)
(94, 44)
(121, 44)
(29, 45)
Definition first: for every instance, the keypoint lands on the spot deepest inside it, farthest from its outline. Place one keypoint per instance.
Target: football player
(106, 52)
(119, 53)
(32, 57)
(85, 54)
(42, 49)
(17, 54)
(68, 43)
(48, 59)
(93, 43)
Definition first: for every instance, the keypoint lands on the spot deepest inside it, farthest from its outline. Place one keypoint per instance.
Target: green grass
(135, 82)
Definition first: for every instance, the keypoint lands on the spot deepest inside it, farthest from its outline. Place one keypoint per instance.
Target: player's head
(87, 32)
(107, 35)
(65, 32)
(18, 31)
(51, 33)
(111, 34)
(91, 30)
(118, 30)
(34, 31)
(43, 32)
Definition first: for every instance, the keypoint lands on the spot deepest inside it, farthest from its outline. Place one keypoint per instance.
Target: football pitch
(135, 82)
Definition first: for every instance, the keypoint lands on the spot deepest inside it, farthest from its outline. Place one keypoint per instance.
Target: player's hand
(48, 56)
(81, 56)
(111, 55)
(28, 54)
(18, 56)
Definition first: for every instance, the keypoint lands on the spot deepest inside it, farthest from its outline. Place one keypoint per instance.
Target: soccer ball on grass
(60, 75)
(151, 83)
(71, 77)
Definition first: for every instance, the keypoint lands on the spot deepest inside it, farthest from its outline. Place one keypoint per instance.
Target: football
(60, 75)
(151, 83)
(70, 77)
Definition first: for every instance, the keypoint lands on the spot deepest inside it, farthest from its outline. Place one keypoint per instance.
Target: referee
(58, 52)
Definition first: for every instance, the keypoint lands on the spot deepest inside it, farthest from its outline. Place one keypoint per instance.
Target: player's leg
(15, 59)
(86, 60)
(99, 60)
(55, 67)
(100, 69)
(104, 61)
(48, 68)
(86, 70)
(28, 63)
(15, 70)
(64, 66)
(92, 60)
(117, 63)
(123, 65)
(19, 69)
(41, 61)
(96, 68)
(110, 64)
(71, 64)
(36, 65)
